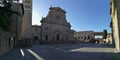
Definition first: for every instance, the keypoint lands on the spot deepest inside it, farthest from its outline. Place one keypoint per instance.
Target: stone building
(115, 24)
(21, 24)
(84, 36)
(109, 39)
(27, 19)
(9, 40)
(36, 33)
(6, 42)
(17, 19)
(55, 28)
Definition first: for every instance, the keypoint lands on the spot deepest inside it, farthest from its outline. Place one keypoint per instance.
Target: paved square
(63, 52)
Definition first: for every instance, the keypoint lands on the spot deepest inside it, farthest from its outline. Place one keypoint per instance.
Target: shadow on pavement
(52, 54)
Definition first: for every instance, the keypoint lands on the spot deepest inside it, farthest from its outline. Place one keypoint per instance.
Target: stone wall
(6, 42)
(115, 16)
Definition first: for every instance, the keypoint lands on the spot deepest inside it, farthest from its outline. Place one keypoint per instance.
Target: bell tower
(27, 6)
(27, 19)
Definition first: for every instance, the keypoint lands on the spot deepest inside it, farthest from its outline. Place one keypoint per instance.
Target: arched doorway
(57, 37)
(36, 37)
(46, 37)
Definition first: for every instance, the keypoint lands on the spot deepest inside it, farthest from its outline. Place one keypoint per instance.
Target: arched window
(84, 37)
(35, 37)
(88, 37)
(81, 37)
(78, 37)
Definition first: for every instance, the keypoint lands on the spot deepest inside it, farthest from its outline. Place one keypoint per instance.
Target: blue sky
(82, 14)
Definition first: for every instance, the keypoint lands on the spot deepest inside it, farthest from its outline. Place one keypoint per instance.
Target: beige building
(27, 19)
(109, 39)
(55, 28)
(84, 36)
(115, 16)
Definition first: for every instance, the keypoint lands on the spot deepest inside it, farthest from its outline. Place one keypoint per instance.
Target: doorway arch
(46, 37)
(58, 37)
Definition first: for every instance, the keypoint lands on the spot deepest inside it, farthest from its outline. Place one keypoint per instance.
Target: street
(63, 52)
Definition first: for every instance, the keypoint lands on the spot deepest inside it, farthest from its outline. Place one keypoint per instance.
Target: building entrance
(57, 37)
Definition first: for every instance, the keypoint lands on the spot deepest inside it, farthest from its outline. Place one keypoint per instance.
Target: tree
(5, 14)
(104, 34)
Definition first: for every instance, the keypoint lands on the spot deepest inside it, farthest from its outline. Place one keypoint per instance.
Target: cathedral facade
(55, 28)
